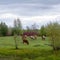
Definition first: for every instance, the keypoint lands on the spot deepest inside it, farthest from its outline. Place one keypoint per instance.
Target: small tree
(17, 30)
(15, 39)
(53, 31)
(17, 27)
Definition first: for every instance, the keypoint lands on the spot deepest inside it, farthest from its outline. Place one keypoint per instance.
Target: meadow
(36, 50)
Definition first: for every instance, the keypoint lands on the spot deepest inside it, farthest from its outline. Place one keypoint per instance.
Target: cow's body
(43, 37)
(25, 40)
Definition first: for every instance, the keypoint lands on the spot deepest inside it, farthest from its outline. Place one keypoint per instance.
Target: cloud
(29, 11)
(29, 20)
(49, 2)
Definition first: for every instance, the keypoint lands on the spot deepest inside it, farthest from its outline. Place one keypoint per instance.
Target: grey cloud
(24, 9)
(48, 2)
(29, 7)
(51, 2)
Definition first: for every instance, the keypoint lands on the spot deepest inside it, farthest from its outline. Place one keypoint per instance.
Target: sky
(30, 12)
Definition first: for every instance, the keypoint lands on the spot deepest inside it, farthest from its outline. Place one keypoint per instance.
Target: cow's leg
(25, 41)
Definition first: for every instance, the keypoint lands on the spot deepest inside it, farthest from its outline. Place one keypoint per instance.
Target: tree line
(10, 31)
(16, 29)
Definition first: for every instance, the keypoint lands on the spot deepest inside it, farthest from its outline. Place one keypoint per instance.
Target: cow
(25, 40)
(43, 37)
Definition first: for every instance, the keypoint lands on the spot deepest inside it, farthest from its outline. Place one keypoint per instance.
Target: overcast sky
(29, 12)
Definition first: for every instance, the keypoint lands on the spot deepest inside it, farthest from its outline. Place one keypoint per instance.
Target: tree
(34, 27)
(53, 31)
(3, 29)
(42, 31)
(17, 30)
(17, 27)
(15, 39)
(28, 29)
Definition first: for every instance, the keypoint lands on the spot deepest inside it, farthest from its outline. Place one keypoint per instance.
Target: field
(36, 50)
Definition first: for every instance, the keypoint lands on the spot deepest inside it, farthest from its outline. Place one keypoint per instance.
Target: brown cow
(25, 40)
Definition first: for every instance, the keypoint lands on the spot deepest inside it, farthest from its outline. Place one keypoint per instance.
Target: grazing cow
(25, 40)
(43, 37)
(32, 35)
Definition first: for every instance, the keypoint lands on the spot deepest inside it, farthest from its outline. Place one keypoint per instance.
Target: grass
(8, 42)
(36, 50)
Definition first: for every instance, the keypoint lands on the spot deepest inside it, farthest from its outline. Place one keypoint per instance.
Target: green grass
(36, 50)
(8, 42)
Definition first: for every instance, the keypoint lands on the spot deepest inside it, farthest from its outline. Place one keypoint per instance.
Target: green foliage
(3, 29)
(53, 31)
(42, 31)
(17, 27)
